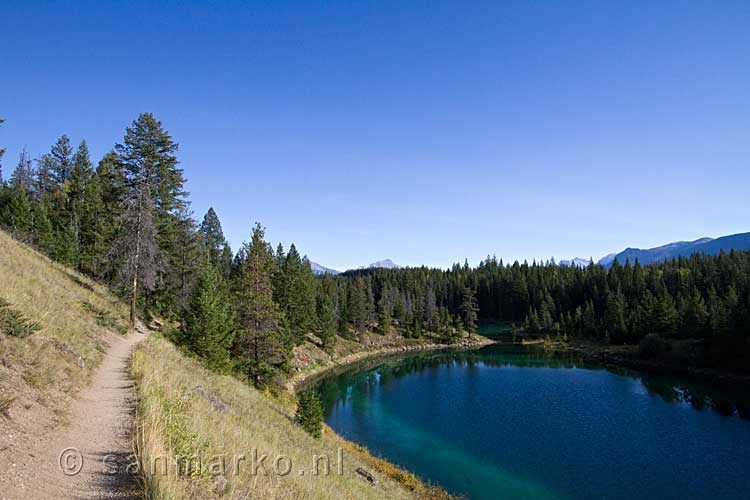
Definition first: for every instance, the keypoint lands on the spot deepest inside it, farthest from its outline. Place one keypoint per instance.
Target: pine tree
(110, 191)
(5, 196)
(309, 413)
(226, 261)
(20, 205)
(695, 318)
(189, 252)
(43, 233)
(665, 315)
(326, 322)
(614, 317)
(61, 157)
(213, 237)
(208, 329)
(80, 176)
(370, 310)
(279, 278)
(296, 285)
(135, 251)
(357, 304)
(469, 310)
(93, 235)
(148, 154)
(21, 212)
(65, 248)
(46, 185)
(532, 324)
(260, 341)
(23, 176)
(384, 313)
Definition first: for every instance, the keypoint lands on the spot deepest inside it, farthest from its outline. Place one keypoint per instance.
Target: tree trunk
(136, 266)
(133, 301)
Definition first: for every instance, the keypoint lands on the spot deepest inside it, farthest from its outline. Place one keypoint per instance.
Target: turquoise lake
(515, 423)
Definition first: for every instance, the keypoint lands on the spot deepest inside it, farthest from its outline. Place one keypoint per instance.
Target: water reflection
(361, 382)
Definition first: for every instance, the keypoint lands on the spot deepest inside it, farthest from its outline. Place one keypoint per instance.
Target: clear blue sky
(423, 131)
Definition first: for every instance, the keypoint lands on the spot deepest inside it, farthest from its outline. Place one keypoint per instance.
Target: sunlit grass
(176, 420)
(53, 363)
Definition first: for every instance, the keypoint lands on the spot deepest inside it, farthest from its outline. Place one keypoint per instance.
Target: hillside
(63, 377)
(73, 316)
(187, 412)
(53, 395)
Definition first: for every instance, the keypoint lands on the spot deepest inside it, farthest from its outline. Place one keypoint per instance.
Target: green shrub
(14, 323)
(310, 413)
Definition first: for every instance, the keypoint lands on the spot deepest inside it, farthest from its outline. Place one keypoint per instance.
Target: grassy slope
(42, 373)
(310, 361)
(176, 418)
(74, 315)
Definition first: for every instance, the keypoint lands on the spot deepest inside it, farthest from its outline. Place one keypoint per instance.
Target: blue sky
(426, 131)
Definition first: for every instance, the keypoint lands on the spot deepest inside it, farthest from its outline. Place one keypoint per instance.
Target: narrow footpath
(88, 459)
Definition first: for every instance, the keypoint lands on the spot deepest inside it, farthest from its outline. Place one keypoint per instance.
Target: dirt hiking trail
(89, 458)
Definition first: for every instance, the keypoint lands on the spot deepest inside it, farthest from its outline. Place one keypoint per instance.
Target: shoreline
(409, 480)
(294, 383)
(600, 354)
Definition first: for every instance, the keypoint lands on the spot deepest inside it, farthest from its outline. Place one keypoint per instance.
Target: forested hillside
(126, 221)
(700, 296)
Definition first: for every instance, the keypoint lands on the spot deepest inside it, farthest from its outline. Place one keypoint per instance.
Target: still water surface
(511, 423)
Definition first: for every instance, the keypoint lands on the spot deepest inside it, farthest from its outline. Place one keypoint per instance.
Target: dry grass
(177, 421)
(310, 361)
(52, 364)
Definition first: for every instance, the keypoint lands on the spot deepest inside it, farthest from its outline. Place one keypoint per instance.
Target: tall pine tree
(260, 341)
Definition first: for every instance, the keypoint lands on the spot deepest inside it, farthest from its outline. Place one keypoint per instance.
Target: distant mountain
(319, 270)
(382, 264)
(670, 251)
(607, 260)
(576, 262)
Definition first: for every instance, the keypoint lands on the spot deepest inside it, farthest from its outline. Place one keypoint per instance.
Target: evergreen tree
(213, 237)
(110, 188)
(469, 309)
(93, 233)
(65, 248)
(226, 261)
(532, 324)
(135, 251)
(259, 341)
(61, 157)
(357, 304)
(309, 413)
(189, 252)
(43, 234)
(23, 176)
(297, 294)
(326, 322)
(614, 317)
(80, 176)
(695, 320)
(20, 207)
(148, 155)
(385, 317)
(208, 329)
(21, 213)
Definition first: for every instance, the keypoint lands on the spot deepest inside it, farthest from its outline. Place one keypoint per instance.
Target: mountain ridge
(709, 246)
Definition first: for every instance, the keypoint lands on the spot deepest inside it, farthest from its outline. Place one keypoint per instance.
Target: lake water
(511, 423)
